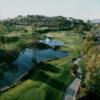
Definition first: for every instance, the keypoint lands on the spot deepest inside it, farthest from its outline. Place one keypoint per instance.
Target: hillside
(20, 42)
(57, 22)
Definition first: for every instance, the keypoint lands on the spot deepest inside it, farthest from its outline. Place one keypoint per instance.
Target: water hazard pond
(25, 62)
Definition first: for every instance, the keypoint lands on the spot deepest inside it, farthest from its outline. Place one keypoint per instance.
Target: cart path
(71, 91)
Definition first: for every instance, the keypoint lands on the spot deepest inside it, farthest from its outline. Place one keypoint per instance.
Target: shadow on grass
(90, 96)
(38, 74)
(55, 83)
(48, 67)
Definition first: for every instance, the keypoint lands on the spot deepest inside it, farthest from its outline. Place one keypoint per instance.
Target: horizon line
(12, 17)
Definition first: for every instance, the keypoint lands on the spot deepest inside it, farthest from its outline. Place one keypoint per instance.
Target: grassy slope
(17, 44)
(48, 81)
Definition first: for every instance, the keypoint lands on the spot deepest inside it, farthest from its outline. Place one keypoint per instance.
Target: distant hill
(55, 22)
(95, 21)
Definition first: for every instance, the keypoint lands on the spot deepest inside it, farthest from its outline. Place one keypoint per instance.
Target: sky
(83, 9)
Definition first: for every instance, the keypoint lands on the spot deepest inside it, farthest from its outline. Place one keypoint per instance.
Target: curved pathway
(71, 91)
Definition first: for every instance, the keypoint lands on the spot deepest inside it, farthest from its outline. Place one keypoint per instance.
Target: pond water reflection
(25, 62)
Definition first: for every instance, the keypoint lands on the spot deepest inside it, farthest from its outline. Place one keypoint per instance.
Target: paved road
(71, 91)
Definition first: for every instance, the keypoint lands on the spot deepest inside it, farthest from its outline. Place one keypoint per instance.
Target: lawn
(50, 79)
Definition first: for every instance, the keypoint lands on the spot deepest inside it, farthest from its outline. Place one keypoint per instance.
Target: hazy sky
(85, 9)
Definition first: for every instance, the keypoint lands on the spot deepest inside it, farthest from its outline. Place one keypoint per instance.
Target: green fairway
(50, 79)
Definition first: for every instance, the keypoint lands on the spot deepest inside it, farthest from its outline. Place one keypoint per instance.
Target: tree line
(57, 22)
